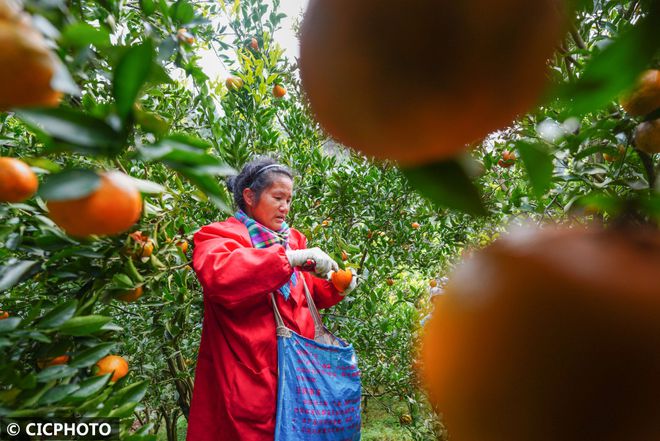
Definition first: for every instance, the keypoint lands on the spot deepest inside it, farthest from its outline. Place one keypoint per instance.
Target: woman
(239, 263)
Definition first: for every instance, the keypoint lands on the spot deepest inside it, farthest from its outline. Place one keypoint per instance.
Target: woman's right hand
(324, 263)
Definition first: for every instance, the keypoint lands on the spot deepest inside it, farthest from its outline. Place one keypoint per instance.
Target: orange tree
(137, 101)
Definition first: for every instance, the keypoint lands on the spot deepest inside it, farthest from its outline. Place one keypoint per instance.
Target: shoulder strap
(281, 329)
(318, 323)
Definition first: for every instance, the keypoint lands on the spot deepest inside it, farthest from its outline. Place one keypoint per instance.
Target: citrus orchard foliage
(145, 109)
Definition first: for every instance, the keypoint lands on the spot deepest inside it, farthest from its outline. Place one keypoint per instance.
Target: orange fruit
(341, 279)
(143, 247)
(17, 180)
(507, 160)
(344, 256)
(234, 83)
(44, 363)
(644, 98)
(110, 209)
(112, 364)
(279, 91)
(28, 65)
(415, 225)
(182, 245)
(254, 44)
(4, 315)
(184, 36)
(147, 248)
(130, 295)
(325, 223)
(647, 136)
(548, 333)
(451, 72)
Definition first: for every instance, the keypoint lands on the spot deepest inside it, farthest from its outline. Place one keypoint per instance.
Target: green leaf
(83, 34)
(182, 11)
(89, 387)
(15, 273)
(79, 326)
(121, 281)
(90, 356)
(123, 411)
(69, 184)
(58, 315)
(538, 164)
(55, 373)
(58, 393)
(9, 324)
(148, 7)
(446, 184)
(130, 74)
(132, 393)
(612, 71)
(91, 134)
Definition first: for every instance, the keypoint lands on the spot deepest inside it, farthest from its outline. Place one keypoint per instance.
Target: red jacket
(236, 378)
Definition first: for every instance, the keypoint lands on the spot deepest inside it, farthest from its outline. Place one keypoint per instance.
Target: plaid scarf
(263, 237)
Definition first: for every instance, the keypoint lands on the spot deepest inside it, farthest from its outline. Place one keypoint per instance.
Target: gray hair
(257, 175)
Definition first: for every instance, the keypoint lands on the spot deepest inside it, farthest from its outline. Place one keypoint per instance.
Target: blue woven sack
(318, 387)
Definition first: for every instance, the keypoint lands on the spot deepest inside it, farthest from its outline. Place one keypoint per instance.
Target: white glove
(352, 285)
(324, 263)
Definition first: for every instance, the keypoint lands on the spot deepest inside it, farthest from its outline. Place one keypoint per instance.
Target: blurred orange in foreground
(17, 180)
(110, 209)
(416, 81)
(644, 98)
(550, 335)
(28, 65)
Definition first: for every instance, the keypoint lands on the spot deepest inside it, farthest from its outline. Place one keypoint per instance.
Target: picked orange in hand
(341, 279)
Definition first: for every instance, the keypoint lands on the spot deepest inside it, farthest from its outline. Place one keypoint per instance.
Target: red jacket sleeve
(235, 274)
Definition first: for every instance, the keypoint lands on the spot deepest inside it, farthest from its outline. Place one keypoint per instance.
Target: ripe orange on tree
(647, 136)
(415, 225)
(131, 295)
(452, 72)
(182, 245)
(3, 315)
(144, 246)
(560, 324)
(344, 256)
(644, 98)
(184, 36)
(28, 65)
(254, 44)
(110, 209)
(112, 364)
(507, 160)
(44, 363)
(17, 180)
(341, 279)
(234, 83)
(279, 91)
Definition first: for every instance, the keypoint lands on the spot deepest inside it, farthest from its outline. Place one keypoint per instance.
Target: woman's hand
(324, 263)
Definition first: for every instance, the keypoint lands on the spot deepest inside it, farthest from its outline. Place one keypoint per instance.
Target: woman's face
(273, 204)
